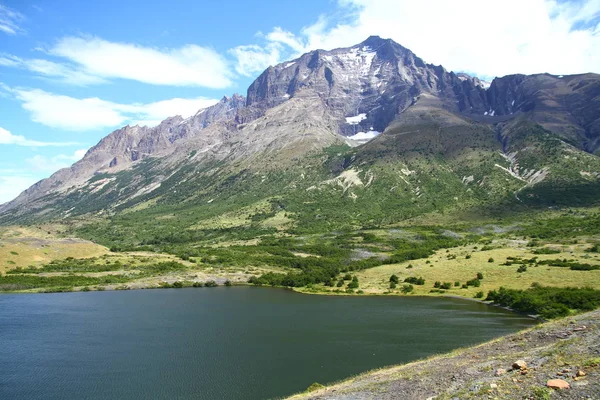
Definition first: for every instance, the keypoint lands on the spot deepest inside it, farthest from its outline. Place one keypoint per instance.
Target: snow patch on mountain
(356, 119)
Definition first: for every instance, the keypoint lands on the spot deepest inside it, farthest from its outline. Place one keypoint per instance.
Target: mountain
(359, 136)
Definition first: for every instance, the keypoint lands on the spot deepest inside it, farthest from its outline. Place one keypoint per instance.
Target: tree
(394, 279)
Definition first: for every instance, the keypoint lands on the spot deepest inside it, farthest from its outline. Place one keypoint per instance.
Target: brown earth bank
(517, 366)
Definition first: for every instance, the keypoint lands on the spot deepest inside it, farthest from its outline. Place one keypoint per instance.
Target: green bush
(490, 260)
(394, 279)
(407, 289)
(474, 282)
(522, 268)
(353, 284)
(414, 280)
(228, 283)
(479, 295)
(446, 285)
(210, 284)
(479, 275)
(548, 302)
(546, 250)
(457, 284)
(392, 285)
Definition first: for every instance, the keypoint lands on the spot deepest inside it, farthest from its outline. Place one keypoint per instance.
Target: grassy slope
(24, 246)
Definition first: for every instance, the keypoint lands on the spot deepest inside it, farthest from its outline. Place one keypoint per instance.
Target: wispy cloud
(253, 59)
(7, 138)
(70, 113)
(543, 36)
(10, 21)
(50, 164)
(189, 65)
(63, 72)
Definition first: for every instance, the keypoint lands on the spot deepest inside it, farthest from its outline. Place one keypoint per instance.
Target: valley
(359, 172)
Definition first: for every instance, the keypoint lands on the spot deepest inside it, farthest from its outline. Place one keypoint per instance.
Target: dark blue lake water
(220, 343)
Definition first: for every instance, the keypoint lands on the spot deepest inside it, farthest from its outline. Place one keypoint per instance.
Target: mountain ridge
(320, 99)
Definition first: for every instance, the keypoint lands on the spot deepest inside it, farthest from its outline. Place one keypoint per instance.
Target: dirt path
(554, 350)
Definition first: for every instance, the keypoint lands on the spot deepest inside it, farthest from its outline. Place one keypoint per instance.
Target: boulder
(519, 364)
(558, 384)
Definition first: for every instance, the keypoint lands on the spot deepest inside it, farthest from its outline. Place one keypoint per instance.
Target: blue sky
(72, 71)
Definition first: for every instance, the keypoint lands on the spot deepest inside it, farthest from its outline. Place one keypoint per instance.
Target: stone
(558, 384)
(519, 364)
(580, 373)
(500, 371)
(493, 386)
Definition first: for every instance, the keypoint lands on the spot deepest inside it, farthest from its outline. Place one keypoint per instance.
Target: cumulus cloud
(6, 137)
(10, 20)
(189, 65)
(70, 113)
(482, 36)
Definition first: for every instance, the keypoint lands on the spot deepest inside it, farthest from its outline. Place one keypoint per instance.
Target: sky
(73, 71)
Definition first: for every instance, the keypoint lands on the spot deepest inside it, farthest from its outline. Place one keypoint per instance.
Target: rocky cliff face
(364, 86)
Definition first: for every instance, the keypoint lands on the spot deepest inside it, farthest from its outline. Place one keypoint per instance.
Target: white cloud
(64, 112)
(6, 137)
(10, 20)
(65, 73)
(483, 36)
(253, 59)
(189, 65)
(13, 184)
(51, 164)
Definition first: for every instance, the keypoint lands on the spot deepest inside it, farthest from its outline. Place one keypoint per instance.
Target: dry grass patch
(461, 264)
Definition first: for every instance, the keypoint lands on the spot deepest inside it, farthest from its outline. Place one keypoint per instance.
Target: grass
(444, 268)
(25, 246)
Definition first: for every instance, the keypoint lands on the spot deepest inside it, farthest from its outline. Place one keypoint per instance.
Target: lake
(221, 343)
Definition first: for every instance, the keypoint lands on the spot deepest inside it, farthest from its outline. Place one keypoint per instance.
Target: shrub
(594, 249)
(228, 283)
(546, 250)
(474, 282)
(446, 285)
(177, 284)
(347, 277)
(522, 268)
(457, 283)
(490, 260)
(200, 284)
(479, 275)
(479, 295)
(407, 289)
(392, 285)
(210, 284)
(353, 284)
(414, 280)
(340, 283)
(314, 386)
(548, 302)
(409, 266)
(468, 256)
(394, 279)
(437, 284)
